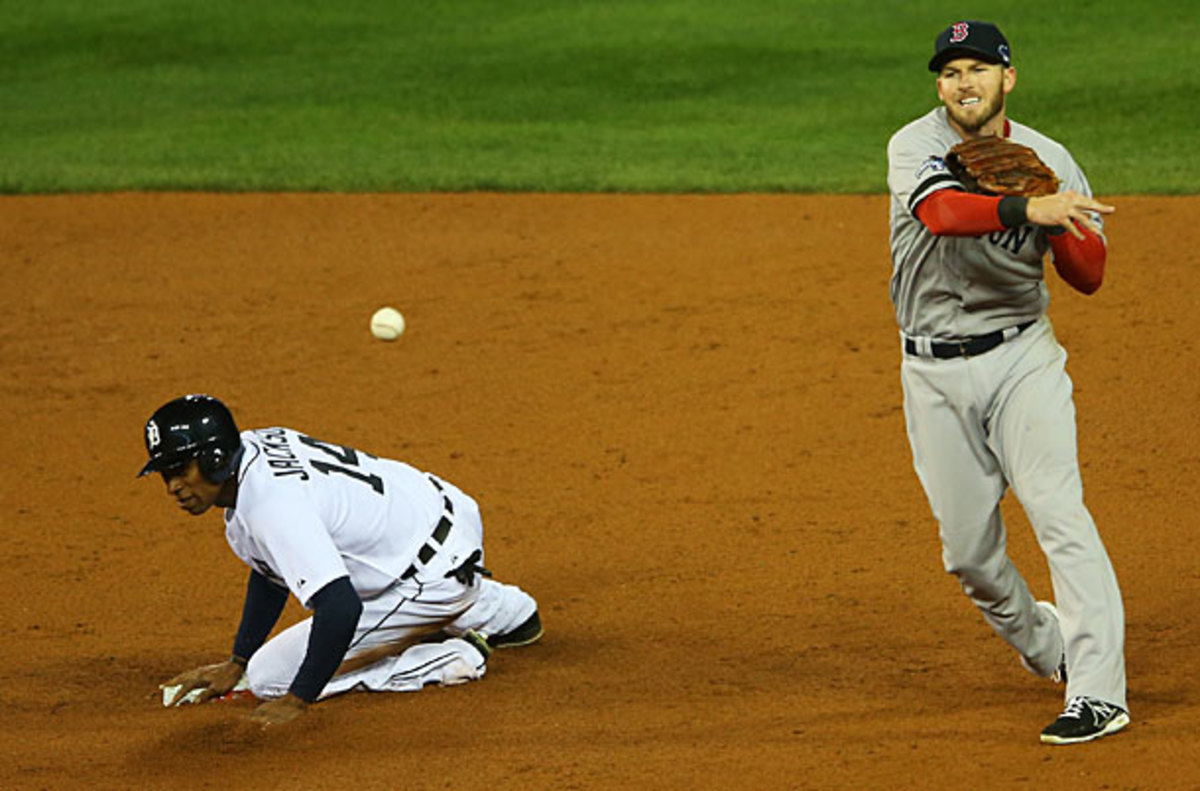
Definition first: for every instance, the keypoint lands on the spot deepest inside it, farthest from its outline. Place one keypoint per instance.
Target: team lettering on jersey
(1011, 239)
(280, 456)
(284, 462)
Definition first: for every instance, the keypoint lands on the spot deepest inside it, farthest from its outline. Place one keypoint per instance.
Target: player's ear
(1010, 78)
(937, 85)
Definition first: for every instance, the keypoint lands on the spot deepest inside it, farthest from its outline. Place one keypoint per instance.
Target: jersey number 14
(349, 462)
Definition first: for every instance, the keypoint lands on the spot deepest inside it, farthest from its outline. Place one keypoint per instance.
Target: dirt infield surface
(681, 416)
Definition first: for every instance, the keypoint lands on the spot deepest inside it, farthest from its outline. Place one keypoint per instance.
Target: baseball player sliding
(987, 399)
(388, 558)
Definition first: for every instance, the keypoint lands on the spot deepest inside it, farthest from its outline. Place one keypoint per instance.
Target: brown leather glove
(997, 166)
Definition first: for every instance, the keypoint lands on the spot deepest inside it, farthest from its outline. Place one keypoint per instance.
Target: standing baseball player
(987, 399)
(388, 558)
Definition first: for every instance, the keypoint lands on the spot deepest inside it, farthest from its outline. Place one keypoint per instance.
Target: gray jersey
(952, 287)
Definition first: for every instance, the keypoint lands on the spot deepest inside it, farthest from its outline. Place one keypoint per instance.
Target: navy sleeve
(264, 602)
(336, 609)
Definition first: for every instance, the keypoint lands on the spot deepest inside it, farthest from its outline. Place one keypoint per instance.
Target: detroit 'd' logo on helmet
(961, 29)
(152, 435)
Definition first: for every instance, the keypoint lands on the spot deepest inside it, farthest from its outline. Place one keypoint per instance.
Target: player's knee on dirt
(264, 683)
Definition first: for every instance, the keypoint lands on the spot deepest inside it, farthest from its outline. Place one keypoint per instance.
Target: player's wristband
(240, 661)
(1012, 211)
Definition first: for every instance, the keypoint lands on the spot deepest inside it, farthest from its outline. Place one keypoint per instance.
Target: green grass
(555, 95)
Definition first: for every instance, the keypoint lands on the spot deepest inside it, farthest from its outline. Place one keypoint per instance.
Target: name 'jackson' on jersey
(310, 511)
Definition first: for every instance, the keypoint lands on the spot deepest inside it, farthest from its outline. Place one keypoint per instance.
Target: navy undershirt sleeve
(264, 602)
(336, 609)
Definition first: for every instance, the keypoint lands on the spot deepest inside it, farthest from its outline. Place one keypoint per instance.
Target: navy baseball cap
(971, 39)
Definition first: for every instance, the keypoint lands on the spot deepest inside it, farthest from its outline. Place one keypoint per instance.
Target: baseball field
(642, 249)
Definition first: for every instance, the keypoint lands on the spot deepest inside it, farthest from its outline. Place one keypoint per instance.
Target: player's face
(190, 489)
(973, 92)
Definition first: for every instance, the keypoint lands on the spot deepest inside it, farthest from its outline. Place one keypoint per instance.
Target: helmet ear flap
(215, 464)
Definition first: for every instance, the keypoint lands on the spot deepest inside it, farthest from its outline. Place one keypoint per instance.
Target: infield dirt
(681, 416)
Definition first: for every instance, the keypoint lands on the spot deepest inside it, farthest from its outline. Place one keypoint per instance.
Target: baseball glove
(996, 166)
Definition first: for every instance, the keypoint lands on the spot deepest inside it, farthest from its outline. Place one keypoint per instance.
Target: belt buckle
(963, 351)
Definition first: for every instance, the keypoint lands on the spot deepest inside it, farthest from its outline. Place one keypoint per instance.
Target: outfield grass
(626, 95)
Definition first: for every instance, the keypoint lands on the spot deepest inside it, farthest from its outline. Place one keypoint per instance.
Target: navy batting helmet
(193, 427)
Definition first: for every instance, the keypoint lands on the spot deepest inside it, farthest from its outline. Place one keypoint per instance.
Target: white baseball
(387, 324)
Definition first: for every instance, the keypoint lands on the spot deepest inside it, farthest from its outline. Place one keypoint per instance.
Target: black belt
(440, 532)
(968, 347)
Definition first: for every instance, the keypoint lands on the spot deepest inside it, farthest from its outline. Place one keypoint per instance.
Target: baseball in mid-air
(387, 324)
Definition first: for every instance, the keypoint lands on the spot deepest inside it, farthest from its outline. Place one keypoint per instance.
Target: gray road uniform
(999, 415)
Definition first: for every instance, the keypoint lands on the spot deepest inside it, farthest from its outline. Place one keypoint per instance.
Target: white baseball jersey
(309, 512)
(951, 287)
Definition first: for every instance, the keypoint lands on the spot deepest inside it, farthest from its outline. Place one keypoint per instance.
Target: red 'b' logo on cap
(959, 32)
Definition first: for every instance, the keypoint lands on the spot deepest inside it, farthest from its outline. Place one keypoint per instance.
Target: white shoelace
(1076, 705)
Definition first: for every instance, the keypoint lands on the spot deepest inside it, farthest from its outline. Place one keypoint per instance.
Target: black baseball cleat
(1085, 719)
(528, 632)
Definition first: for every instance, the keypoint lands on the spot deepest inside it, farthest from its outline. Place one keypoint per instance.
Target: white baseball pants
(428, 600)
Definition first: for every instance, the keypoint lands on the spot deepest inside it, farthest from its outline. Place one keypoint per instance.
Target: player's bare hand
(1068, 210)
(214, 680)
(278, 711)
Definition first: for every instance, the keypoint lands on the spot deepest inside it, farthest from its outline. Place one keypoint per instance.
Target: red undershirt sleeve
(950, 212)
(1080, 262)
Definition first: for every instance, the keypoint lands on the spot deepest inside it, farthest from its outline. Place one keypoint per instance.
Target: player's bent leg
(998, 590)
(1047, 617)
(452, 661)
(964, 484)
(447, 662)
(506, 615)
(273, 667)
(390, 623)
